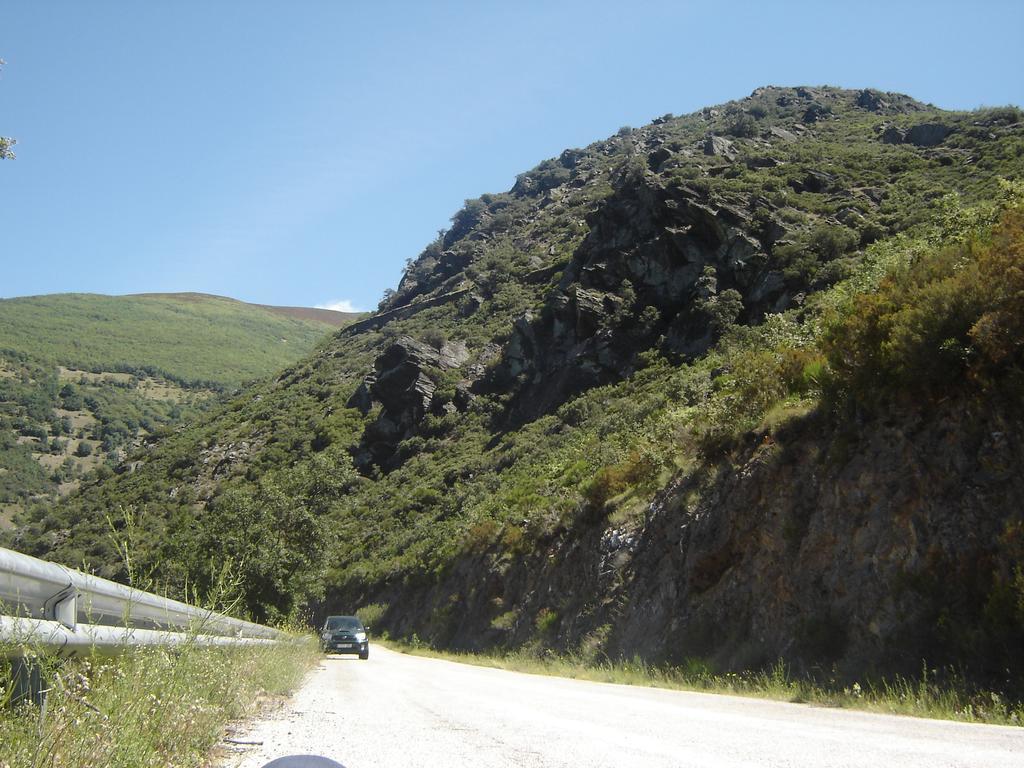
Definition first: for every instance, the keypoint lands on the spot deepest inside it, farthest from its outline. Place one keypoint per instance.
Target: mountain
(84, 379)
(739, 385)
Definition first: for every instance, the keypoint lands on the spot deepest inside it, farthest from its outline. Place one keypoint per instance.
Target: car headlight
(361, 637)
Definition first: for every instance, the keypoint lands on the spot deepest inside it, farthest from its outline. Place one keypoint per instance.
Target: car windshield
(344, 622)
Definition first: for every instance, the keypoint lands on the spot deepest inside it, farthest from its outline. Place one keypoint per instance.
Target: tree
(385, 302)
(6, 142)
(273, 535)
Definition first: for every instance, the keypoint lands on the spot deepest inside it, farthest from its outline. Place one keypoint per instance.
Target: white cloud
(341, 305)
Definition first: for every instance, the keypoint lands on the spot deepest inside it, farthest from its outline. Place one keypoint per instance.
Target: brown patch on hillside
(184, 296)
(309, 314)
(326, 316)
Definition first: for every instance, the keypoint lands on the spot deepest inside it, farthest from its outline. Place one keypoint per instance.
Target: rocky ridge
(665, 260)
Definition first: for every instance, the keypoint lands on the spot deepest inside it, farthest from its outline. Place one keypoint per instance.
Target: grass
(928, 696)
(206, 339)
(150, 707)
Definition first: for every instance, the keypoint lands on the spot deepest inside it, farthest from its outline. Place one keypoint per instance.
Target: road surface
(397, 711)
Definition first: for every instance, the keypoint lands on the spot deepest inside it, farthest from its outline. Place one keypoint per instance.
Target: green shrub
(742, 125)
(955, 315)
(435, 338)
(802, 370)
(638, 469)
(480, 536)
(371, 613)
(514, 540)
(546, 621)
(504, 621)
(831, 242)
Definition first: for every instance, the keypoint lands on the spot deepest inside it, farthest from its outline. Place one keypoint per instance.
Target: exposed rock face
(638, 276)
(871, 525)
(887, 103)
(893, 135)
(816, 112)
(814, 181)
(928, 134)
(657, 158)
(923, 135)
(870, 555)
(782, 133)
(719, 146)
(871, 100)
(403, 383)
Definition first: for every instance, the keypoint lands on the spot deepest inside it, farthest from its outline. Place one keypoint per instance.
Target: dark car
(345, 634)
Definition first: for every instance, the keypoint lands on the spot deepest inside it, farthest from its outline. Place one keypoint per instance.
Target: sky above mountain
(298, 153)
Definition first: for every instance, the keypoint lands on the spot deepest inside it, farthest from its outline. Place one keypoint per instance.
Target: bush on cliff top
(952, 317)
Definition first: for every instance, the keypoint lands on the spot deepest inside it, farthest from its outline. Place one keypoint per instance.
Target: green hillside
(735, 386)
(189, 338)
(85, 379)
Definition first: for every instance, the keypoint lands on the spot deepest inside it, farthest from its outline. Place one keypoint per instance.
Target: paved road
(397, 711)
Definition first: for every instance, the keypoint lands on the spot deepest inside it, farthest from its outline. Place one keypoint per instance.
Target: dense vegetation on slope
(677, 393)
(84, 379)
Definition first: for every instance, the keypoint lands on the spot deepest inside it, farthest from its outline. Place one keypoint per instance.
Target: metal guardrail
(55, 608)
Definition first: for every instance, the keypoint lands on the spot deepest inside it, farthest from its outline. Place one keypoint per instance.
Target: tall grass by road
(932, 695)
(150, 707)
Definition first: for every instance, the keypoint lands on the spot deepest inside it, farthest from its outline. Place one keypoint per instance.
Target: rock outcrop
(922, 135)
(719, 146)
(651, 268)
(403, 384)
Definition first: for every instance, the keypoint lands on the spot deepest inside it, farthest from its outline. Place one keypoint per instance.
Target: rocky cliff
(861, 552)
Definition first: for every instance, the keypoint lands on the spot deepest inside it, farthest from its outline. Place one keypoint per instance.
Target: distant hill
(86, 378)
(190, 338)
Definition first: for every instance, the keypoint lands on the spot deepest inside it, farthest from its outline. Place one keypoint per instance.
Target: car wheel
(364, 655)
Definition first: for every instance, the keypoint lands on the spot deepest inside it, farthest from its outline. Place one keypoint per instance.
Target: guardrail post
(63, 607)
(27, 682)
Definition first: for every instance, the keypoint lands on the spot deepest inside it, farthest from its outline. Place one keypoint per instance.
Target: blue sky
(299, 152)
